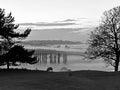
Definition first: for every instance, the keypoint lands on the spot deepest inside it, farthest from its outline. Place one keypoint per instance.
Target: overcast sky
(58, 19)
(52, 10)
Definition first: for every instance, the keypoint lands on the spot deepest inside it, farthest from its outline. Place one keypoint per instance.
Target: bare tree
(105, 40)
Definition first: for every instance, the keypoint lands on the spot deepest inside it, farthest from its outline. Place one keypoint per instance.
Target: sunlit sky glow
(71, 16)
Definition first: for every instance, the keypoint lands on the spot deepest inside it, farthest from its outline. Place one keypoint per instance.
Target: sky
(52, 10)
(49, 19)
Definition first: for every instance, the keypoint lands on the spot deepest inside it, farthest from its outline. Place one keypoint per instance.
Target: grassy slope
(39, 80)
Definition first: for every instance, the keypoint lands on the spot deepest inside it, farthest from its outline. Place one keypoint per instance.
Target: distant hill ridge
(48, 42)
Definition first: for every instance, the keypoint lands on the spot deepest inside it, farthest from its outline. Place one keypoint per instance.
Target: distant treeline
(48, 42)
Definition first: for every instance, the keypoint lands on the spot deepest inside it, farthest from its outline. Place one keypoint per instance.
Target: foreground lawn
(40, 80)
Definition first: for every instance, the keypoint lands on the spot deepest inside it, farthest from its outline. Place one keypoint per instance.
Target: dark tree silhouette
(105, 40)
(17, 55)
(8, 35)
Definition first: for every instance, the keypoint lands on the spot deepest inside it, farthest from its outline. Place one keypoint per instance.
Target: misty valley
(62, 57)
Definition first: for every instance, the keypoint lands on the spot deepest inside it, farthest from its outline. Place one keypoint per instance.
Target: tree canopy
(105, 39)
(10, 52)
(18, 54)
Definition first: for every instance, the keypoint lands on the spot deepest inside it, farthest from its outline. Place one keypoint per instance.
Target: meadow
(42, 80)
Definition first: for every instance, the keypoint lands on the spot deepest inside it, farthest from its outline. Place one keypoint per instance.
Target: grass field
(41, 80)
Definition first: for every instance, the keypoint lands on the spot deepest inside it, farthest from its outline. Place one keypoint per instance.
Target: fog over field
(75, 58)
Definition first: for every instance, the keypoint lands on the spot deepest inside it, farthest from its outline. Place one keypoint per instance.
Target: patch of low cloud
(61, 29)
(69, 30)
(48, 24)
(60, 34)
(69, 20)
(79, 25)
(86, 29)
(73, 20)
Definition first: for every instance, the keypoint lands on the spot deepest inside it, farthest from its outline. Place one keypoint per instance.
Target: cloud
(67, 29)
(79, 22)
(87, 30)
(72, 29)
(69, 20)
(73, 20)
(48, 24)
(60, 34)
(74, 26)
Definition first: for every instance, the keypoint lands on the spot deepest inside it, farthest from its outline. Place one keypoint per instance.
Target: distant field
(40, 80)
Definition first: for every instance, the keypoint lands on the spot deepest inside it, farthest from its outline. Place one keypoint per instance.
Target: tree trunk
(8, 65)
(116, 67)
(117, 63)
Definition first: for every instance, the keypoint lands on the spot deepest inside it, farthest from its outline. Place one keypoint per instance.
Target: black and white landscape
(59, 44)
